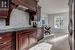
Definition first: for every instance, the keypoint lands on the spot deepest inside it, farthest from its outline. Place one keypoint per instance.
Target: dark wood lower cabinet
(32, 39)
(7, 48)
(25, 39)
(20, 40)
(6, 41)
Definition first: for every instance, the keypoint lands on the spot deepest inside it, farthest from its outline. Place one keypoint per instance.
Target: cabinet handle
(3, 43)
(4, 49)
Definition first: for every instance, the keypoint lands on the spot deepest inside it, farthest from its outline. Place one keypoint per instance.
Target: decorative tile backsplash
(17, 18)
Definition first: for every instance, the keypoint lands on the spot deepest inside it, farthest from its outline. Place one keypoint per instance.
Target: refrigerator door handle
(70, 29)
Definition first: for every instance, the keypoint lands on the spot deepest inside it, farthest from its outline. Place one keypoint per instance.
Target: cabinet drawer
(5, 39)
(26, 31)
(5, 36)
(3, 45)
(8, 47)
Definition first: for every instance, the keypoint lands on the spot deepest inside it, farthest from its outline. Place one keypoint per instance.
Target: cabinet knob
(0, 37)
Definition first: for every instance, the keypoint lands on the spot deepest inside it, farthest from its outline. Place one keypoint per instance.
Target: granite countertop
(13, 29)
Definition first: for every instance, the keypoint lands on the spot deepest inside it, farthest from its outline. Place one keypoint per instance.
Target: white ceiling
(54, 6)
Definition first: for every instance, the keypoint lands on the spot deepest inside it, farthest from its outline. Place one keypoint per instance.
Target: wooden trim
(74, 24)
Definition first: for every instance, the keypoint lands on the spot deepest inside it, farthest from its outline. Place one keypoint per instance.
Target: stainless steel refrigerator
(71, 24)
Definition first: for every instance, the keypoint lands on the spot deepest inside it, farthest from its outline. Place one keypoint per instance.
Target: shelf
(4, 9)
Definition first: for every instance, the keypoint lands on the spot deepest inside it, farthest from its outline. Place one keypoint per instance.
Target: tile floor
(59, 41)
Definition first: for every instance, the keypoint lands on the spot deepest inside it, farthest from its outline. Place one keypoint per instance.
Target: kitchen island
(19, 38)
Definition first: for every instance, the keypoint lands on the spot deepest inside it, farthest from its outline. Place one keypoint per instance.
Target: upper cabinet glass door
(4, 3)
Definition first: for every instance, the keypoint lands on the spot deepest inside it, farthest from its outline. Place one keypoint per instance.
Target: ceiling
(54, 6)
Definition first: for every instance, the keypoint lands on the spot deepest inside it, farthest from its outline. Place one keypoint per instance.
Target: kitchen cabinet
(40, 34)
(25, 39)
(7, 48)
(30, 4)
(6, 41)
(4, 13)
(22, 41)
(32, 38)
(4, 8)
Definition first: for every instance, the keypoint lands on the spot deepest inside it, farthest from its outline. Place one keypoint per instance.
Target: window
(58, 21)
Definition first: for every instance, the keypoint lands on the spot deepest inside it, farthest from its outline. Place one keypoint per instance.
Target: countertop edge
(15, 29)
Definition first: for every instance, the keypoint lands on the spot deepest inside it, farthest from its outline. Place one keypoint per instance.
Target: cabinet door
(4, 8)
(4, 12)
(39, 34)
(22, 41)
(7, 48)
(6, 41)
(32, 39)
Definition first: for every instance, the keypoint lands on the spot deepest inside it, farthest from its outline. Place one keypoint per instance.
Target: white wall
(45, 17)
(2, 22)
(51, 21)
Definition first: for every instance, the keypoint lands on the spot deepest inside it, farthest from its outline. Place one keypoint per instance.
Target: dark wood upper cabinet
(4, 3)
(4, 12)
(30, 4)
(4, 8)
